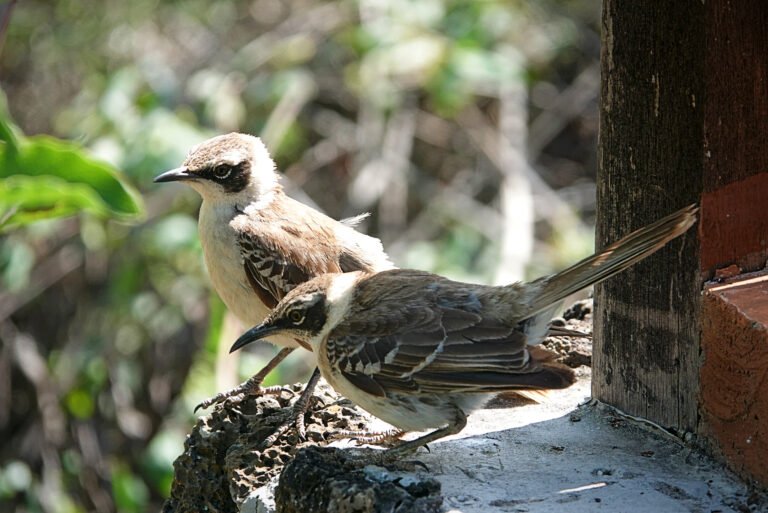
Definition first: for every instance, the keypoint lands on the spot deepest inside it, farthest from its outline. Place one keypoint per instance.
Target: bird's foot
(252, 387)
(295, 416)
(390, 437)
(285, 421)
(407, 448)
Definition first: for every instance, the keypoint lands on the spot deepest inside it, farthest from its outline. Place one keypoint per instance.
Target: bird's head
(233, 167)
(302, 314)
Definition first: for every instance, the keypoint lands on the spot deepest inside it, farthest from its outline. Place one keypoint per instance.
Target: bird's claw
(389, 437)
(241, 392)
(294, 417)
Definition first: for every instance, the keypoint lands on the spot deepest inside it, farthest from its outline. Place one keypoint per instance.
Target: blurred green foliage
(45, 178)
(110, 332)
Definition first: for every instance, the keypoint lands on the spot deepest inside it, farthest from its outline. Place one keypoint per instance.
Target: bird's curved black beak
(175, 175)
(252, 335)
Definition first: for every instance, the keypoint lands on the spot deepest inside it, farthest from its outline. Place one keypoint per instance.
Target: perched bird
(259, 244)
(421, 352)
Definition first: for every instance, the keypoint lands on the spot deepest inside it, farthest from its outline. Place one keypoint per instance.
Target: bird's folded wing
(276, 258)
(280, 253)
(463, 352)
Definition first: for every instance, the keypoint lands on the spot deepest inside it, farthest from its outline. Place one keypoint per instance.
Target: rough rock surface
(225, 468)
(324, 479)
(574, 351)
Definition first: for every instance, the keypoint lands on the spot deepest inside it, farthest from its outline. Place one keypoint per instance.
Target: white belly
(409, 412)
(225, 267)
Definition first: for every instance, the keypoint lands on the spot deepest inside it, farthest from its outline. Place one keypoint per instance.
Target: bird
(421, 351)
(258, 243)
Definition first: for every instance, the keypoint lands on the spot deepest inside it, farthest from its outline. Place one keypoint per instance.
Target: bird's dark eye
(295, 316)
(222, 172)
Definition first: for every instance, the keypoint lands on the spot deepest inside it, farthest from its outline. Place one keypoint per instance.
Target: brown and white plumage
(287, 243)
(421, 351)
(258, 243)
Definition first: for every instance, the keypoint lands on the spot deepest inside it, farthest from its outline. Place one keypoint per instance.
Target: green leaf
(42, 177)
(25, 199)
(8, 135)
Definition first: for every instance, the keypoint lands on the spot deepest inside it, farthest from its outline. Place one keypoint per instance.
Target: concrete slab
(559, 456)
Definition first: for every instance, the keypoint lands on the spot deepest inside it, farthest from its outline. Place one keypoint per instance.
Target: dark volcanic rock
(324, 479)
(574, 351)
(225, 468)
(224, 460)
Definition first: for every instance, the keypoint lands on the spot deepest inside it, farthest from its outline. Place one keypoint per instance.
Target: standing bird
(259, 244)
(420, 351)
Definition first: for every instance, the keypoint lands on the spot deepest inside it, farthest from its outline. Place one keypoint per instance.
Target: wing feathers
(454, 319)
(265, 293)
(288, 243)
(548, 377)
(365, 383)
(467, 353)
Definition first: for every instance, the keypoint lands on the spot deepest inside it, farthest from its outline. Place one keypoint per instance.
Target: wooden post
(683, 118)
(649, 165)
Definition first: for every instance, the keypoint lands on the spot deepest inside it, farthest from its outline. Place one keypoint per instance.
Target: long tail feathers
(613, 259)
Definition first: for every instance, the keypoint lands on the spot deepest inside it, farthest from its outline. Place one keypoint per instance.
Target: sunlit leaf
(25, 199)
(42, 178)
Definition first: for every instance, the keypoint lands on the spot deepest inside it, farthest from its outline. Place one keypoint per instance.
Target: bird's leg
(393, 455)
(250, 387)
(459, 422)
(296, 415)
(387, 437)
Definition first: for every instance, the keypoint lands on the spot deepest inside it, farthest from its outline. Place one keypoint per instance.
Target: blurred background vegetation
(467, 128)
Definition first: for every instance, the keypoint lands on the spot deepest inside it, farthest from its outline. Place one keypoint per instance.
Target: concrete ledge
(559, 456)
(555, 456)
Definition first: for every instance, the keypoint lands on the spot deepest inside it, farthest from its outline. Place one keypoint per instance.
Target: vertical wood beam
(649, 164)
(684, 117)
